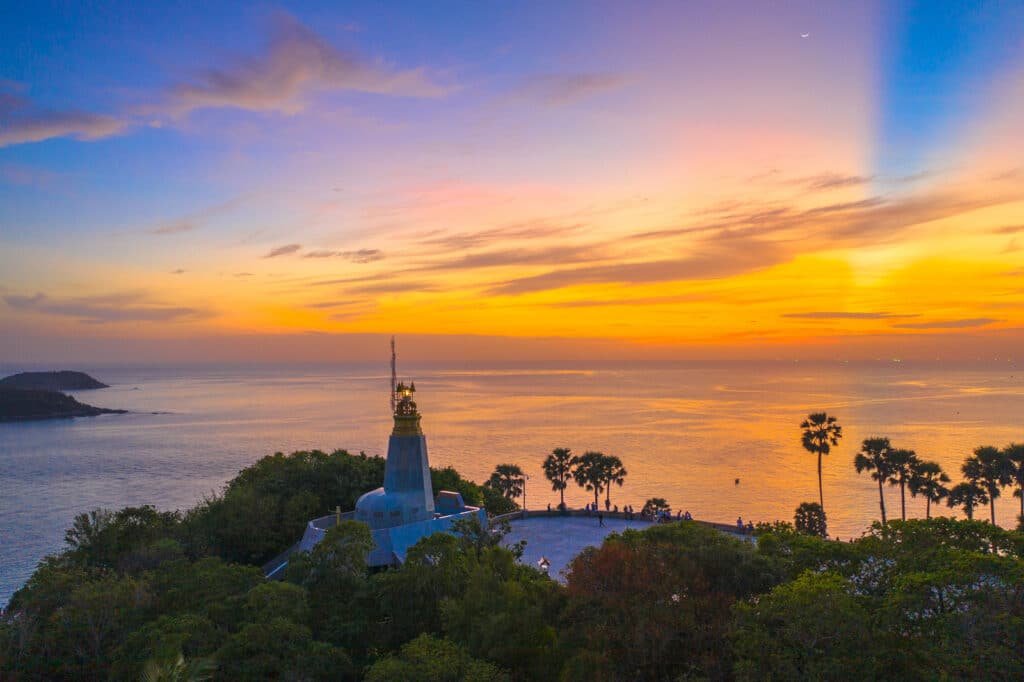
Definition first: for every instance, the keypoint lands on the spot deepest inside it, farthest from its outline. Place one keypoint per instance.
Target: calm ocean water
(683, 434)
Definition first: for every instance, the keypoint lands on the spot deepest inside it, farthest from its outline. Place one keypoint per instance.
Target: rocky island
(37, 395)
(64, 380)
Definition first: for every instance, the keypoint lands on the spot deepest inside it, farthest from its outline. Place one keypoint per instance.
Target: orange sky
(715, 190)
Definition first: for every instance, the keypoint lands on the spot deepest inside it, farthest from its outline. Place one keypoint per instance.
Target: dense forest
(145, 594)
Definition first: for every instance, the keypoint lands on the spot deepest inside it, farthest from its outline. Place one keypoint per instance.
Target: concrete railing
(543, 513)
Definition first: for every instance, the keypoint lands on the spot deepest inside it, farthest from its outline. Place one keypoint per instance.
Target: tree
(812, 628)
(508, 480)
(928, 480)
(968, 495)
(874, 457)
(429, 659)
(821, 433)
(992, 469)
(655, 506)
(558, 470)
(613, 472)
(589, 473)
(810, 519)
(656, 604)
(1014, 452)
(901, 467)
(178, 670)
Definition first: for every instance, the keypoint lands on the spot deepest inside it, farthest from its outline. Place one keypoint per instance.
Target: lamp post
(526, 477)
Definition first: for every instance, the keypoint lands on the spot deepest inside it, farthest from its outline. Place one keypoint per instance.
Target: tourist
(600, 519)
(688, 516)
(750, 526)
(549, 507)
(739, 522)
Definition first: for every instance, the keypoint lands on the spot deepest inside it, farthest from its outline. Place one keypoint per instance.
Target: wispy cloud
(488, 237)
(21, 121)
(1009, 229)
(757, 237)
(297, 64)
(283, 250)
(358, 256)
(179, 271)
(827, 181)
(845, 315)
(714, 258)
(121, 307)
(949, 324)
(562, 89)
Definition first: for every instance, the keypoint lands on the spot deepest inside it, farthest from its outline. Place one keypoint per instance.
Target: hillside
(25, 404)
(64, 380)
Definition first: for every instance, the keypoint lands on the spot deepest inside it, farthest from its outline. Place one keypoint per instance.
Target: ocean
(685, 434)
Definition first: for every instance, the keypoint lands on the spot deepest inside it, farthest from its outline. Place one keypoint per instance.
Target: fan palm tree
(901, 467)
(507, 479)
(589, 473)
(558, 470)
(1015, 454)
(928, 480)
(968, 495)
(993, 471)
(615, 473)
(874, 457)
(821, 432)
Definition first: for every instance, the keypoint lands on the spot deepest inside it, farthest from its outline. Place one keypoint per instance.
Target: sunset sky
(840, 180)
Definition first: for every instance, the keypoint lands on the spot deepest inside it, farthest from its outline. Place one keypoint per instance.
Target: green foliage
(558, 469)
(590, 473)
(810, 519)
(656, 604)
(940, 598)
(429, 659)
(821, 432)
(508, 480)
(813, 628)
(496, 503)
(655, 506)
(280, 649)
(266, 507)
(449, 479)
(141, 593)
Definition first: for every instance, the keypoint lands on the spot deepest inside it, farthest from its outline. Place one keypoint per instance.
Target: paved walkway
(560, 538)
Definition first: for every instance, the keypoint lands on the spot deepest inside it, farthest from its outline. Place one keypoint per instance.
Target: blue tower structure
(406, 496)
(402, 511)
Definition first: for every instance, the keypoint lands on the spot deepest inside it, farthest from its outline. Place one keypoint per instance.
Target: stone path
(560, 538)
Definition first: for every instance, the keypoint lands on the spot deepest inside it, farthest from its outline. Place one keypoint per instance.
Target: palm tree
(1014, 452)
(993, 470)
(901, 467)
(589, 473)
(507, 479)
(615, 473)
(928, 480)
(874, 457)
(821, 432)
(558, 470)
(968, 495)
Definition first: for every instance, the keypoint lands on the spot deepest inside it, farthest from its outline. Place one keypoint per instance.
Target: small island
(64, 380)
(30, 404)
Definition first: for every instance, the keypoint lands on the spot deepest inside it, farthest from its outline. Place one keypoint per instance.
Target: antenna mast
(394, 377)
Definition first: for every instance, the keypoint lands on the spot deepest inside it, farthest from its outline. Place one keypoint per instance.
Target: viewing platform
(558, 536)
